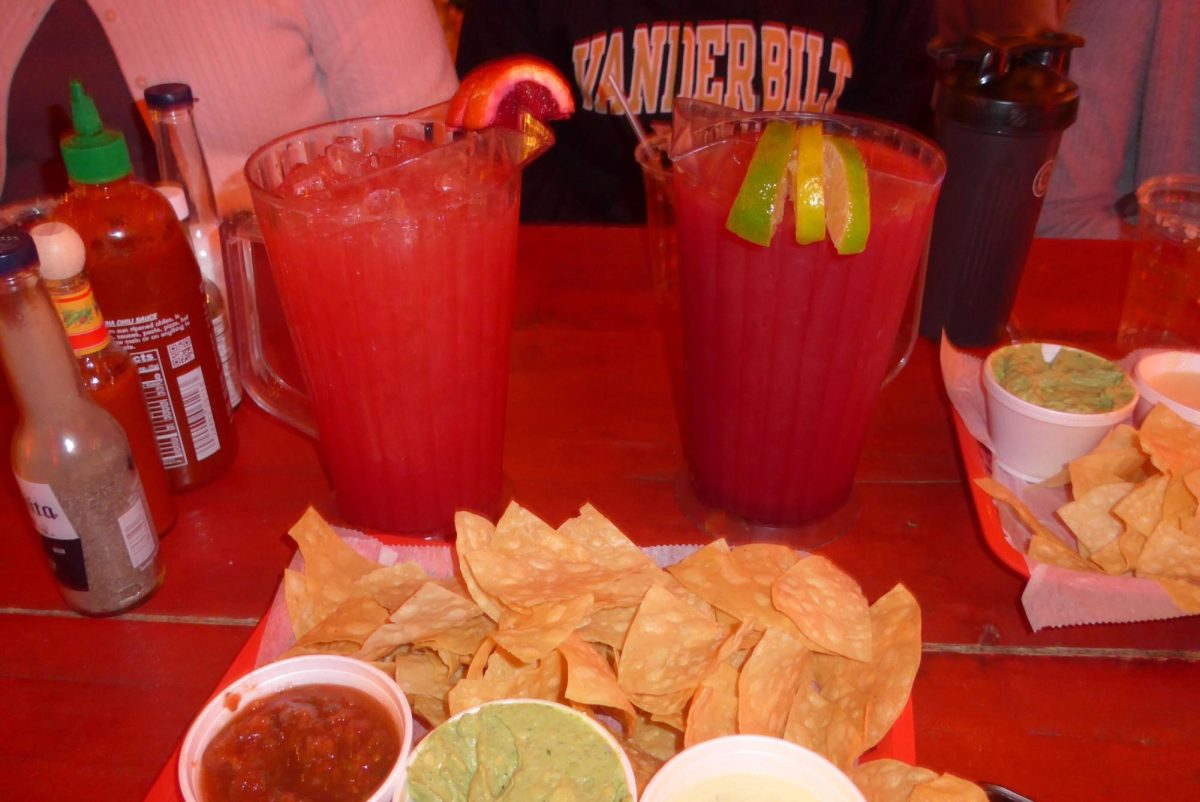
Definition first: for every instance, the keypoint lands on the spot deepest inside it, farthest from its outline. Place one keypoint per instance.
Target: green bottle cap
(93, 154)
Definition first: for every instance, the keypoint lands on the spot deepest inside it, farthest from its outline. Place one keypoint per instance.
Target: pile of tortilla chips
(750, 639)
(1133, 510)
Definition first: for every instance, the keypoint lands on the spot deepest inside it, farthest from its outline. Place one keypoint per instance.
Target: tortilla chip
(888, 780)
(474, 533)
(1171, 552)
(1047, 548)
(764, 562)
(353, 621)
(427, 613)
(947, 788)
(1172, 443)
(541, 680)
(869, 697)
(603, 542)
(768, 683)
(714, 709)
(668, 648)
(590, 679)
(1103, 467)
(1090, 516)
(712, 574)
(531, 636)
(827, 606)
(1142, 508)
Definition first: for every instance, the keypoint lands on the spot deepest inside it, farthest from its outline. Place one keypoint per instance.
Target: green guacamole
(520, 752)
(1074, 381)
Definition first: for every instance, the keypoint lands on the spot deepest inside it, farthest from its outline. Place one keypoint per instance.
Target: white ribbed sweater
(260, 68)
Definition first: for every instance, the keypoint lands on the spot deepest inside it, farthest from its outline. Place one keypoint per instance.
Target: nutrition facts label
(158, 404)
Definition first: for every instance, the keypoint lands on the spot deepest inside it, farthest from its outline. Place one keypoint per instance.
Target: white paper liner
(1053, 597)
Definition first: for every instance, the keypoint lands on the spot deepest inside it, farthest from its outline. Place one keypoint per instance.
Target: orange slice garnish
(498, 92)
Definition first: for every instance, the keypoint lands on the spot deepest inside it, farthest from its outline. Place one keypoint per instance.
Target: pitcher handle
(263, 383)
(910, 320)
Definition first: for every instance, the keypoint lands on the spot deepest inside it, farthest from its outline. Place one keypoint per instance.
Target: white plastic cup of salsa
(1169, 378)
(810, 776)
(289, 673)
(618, 752)
(1032, 442)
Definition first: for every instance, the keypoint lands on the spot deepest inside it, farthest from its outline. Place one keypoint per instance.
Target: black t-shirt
(864, 56)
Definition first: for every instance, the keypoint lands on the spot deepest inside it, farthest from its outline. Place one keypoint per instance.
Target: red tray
(977, 461)
(900, 742)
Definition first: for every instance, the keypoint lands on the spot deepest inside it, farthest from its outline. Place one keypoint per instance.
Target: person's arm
(380, 56)
(1094, 165)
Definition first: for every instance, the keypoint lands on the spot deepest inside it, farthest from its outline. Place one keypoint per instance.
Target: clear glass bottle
(181, 164)
(71, 459)
(109, 375)
(146, 279)
(217, 312)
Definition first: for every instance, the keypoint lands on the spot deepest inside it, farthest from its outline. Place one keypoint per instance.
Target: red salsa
(309, 743)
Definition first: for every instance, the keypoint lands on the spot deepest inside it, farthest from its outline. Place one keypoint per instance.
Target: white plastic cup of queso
(750, 768)
(1170, 378)
(557, 742)
(284, 674)
(1034, 442)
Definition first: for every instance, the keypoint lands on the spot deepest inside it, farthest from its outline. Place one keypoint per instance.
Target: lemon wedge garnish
(808, 184)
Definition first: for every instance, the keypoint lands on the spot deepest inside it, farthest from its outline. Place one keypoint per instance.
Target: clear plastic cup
(274, 677)
(751, 759)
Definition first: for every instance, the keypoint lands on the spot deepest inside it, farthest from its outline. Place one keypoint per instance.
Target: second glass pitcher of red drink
(392, 244)
(786, 346)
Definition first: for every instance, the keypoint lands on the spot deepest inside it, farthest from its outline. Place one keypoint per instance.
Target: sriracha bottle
(146, 280)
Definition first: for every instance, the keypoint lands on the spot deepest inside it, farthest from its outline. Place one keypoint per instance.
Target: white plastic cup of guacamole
(1048, 404)
(520, 749)
(750, 768)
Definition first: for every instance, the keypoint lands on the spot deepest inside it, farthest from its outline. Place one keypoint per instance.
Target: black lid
(1015, 85)
(17, 251)
(163, 96)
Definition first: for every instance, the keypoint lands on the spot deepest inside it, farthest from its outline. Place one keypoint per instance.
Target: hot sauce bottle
(109, 375)
(146, 280)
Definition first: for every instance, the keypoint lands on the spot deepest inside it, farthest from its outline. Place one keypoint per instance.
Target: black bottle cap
(164, 96)
(1015, 85)
(17, 251)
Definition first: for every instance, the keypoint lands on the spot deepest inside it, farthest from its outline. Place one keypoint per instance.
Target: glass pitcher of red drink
(786, 346)
(392, 245)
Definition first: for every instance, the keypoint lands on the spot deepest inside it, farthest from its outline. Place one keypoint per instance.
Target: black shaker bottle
(1000, 107)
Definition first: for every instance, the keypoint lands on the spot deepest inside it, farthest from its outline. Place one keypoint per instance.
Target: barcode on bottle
(198, 412)
(139, 537)
(158, 404)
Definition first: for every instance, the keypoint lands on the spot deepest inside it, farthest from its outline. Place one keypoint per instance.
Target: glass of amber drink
(786, 346)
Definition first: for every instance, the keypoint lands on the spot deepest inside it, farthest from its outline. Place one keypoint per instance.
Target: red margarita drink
(393, 245)
(786, 346)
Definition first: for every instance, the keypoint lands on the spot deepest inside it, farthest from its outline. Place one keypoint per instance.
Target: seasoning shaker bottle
(148, 283)
(181, 165)
(71, 459)
(1000, 107)
(109, 375)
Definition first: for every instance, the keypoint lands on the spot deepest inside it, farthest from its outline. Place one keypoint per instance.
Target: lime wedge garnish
(847, 199)
(758, 207)
(808, 185)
